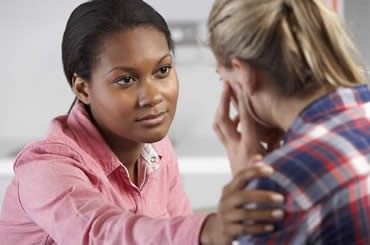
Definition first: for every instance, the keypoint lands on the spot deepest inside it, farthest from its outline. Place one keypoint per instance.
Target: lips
(150, 116)
(152, 119)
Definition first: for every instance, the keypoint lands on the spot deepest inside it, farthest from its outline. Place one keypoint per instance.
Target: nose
(149, 94)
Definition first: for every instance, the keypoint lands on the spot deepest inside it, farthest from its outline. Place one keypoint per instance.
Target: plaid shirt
(324, 172)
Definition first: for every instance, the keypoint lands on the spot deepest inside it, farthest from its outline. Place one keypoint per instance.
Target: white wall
(32, 85)
(182, 10)
(357, 15)
(33, 88)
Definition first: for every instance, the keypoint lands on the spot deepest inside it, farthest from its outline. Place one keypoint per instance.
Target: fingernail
(277, 213)
(269, 228)
(257, 158)
(278, 198)
(267, 170)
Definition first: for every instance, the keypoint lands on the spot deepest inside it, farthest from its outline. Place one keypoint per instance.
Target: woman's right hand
(242, 136)
(233, 219)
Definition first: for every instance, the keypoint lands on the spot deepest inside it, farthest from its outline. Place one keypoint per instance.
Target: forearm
(111, 225)
(71, 211)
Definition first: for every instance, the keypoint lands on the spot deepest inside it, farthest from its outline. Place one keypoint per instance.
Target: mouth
(152, 119)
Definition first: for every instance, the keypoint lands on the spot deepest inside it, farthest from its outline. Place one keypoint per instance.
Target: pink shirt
(70, 188)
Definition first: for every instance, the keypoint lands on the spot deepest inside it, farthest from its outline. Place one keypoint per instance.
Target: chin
(153, 139)
(152, 136)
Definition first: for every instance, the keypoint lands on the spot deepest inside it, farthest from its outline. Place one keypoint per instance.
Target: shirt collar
(328, 105)
(92, 142)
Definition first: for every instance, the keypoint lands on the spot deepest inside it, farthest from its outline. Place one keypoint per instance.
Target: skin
(133, 78)
(243, 83)
(243, 136)
(228, 222)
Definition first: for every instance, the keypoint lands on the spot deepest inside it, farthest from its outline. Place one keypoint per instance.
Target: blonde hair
(301, 44)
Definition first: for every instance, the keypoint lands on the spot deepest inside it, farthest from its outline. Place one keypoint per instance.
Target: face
(229, 75)
(134, 86)
(248, 77)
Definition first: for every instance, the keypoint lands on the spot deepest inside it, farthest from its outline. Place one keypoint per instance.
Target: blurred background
(33, 88)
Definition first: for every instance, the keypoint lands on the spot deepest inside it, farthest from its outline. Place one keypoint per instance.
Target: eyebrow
(133, 69)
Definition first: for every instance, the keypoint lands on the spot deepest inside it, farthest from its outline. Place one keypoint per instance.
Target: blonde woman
(290, 66)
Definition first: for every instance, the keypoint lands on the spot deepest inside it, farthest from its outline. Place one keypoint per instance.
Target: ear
(81, 89)
(246, 74)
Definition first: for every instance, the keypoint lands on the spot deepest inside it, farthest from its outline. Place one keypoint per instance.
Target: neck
(285, 111)
(128, 152)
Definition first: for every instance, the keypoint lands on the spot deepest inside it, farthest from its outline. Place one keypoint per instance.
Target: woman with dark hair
(106, 173)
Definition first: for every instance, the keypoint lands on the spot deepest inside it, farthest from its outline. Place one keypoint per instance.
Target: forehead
(133, 46)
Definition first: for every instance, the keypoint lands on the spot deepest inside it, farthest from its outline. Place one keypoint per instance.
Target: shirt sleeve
(178, 202)
(61, 200)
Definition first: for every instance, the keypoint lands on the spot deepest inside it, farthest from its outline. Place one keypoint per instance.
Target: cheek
(111, 105)
(175, 91)
(172, 91)
(224, 77)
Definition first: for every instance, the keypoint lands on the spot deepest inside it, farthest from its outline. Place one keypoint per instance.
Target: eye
(164, 70)
(127, 80)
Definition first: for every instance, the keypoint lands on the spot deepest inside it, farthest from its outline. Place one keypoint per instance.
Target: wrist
(208, 230)
(255, 148)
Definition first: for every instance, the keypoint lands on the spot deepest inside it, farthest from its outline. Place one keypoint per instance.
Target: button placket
(151, 157)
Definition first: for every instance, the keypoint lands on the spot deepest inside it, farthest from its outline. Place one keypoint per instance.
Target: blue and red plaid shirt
(323, 169)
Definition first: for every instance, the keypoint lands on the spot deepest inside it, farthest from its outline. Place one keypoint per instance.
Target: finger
(248, 229)
(254, 197)
(241, 215)
(241, 179)
(255, 158)
(242, 108)
(218, 120)
(234, 100)
(223, 120)
(236, 120)
(224, 108)
(219, 133)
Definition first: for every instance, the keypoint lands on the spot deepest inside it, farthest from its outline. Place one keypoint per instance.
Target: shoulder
(51, 149)
(311, 169)
(303, 172)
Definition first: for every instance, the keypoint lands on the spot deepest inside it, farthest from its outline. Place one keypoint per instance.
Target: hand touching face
(242, 136)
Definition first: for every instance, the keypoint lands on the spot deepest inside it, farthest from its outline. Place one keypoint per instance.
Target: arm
(60, 199)
(178, 202)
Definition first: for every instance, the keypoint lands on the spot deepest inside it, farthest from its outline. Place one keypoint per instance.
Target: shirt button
(154, 159)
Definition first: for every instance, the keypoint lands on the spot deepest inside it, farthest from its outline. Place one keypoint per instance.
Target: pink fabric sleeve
(178, 204)
(61, 200)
